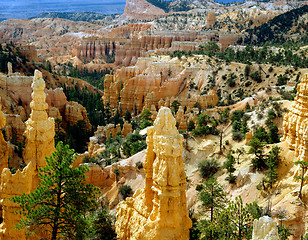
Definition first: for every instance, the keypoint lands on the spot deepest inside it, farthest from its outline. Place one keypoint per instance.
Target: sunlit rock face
(155, 81)
(4, 149)
(39, 135)
(159, 211)
(265, 229)
(296, 120)
(13, 185)
(143, 10)
(40, 130)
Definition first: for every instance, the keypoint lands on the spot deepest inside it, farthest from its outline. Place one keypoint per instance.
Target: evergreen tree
(78, 136)
(272, 164)
(257, 148)
(273, 134)
(146, 119)
(241, 218)
(247, 71)
(175, 106)
(261, 134)
(61, 200)
(302, 178)
(213, 199)
(133, 143)
(229, 165)
(239, 152)
(127, 116)
(191, 126)
(102, 224)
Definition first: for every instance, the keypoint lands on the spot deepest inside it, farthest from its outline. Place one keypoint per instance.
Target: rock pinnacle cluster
(159, 211)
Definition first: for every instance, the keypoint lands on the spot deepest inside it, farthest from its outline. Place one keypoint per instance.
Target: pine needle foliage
(60, 202)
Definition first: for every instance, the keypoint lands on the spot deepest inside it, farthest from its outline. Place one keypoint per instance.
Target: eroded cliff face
(13, 185)
(158, 81)
(39, 135)
(16, 91)
(296, 120)
(142, 10)
(124, 45)
(4, 148)
(159, 211)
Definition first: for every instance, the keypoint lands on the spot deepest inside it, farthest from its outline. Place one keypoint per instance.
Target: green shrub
(191, 125)
(231, 179)
(126, 191)
(256, 76)
(247, 84)
(282, 80)
(237, 136)
(208, 168)
(199, 187)
(134, 143)
(139, 164)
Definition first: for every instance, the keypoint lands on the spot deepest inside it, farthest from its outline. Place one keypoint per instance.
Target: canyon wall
(155, 81)
(142, 10)
(17, 90)
(4, 148)
(296, 120)
(159, 211)
(39, 135)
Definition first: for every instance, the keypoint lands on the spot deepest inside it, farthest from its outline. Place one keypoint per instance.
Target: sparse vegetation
(208, 168)
(125, 191)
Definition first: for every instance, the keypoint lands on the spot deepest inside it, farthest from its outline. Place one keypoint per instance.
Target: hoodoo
(159, 211)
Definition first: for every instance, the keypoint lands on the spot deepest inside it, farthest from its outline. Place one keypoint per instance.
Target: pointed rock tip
(164, 123)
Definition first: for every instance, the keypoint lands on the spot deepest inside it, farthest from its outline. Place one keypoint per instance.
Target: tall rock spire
(4, 148)
(295, 121)
(159, 211)
(40, 129)
(39, 144)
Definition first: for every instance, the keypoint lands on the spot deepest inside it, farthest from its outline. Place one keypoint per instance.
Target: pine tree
(257, 147)
(241, 218)
(175, 106)
(213, 199)
(102, 224)
(272, 164)
(61, 200)
(229, 165)
(239, 152)
(146, 119)
(191, 126)
(302, 178)
(127, 116)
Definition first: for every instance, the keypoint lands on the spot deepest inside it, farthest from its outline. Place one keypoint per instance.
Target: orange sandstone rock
(14, 126)
(4, 148)
(40, 129)
(211, 19)
(39, 144)
(127, 128)
(159, 211)
(296, 120)
(75, 112)
(12, 185)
